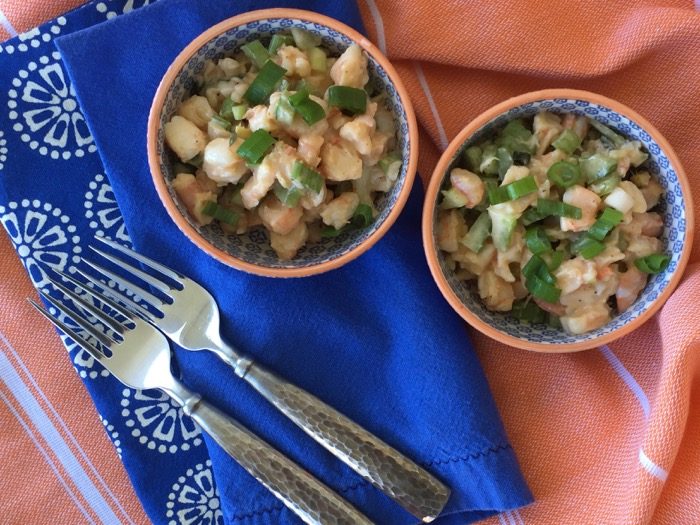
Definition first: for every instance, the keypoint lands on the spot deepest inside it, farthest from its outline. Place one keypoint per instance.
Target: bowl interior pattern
(253, 247)
(671, 207)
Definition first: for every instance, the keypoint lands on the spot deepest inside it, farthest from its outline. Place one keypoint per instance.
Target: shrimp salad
(553, 219)
(284, 137)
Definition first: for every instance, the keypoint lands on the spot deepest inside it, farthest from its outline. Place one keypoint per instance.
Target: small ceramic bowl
(251, 252)
(675, 207)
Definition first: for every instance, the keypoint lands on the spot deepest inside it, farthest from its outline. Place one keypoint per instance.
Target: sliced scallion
(264, 84)
(564, 174)
(239, 111)
(254, 147)
(349, 99)
(587, 247)
(537, 241)
(528, 312)
(542, 290)
(289, 197)
(226, 110)
(617, 140)
(363, 216)
(305, 39)
(222, 122)
(597, 166)
(307, 177)
(256, 52)
(278, 41)
(605, 223)
(328, 232)
(220, 213)
(310, 110)
(505, 161)
(558, 208)
(654, 263)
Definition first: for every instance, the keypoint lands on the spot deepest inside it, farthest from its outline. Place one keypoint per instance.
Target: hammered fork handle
(307, 497)
(404, 481)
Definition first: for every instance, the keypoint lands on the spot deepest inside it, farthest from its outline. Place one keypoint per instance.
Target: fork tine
(103, 317)
(94, 352)
(134, 307)
(78, 319)
(175, 276)
(143, 294)
(147, 278)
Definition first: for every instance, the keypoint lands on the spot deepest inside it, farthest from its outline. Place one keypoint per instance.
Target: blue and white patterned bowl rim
(254, 247)
(671, 207)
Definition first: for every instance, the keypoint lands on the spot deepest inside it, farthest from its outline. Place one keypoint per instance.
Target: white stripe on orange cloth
(431, 102)
(379, 24)
(47, 458)
(644, 460)
(53, 439)
(64, 427)
(5, 23)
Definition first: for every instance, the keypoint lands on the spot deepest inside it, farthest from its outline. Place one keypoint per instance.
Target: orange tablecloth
(607, 436)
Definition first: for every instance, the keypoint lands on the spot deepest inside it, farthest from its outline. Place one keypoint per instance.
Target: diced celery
(567, 142)
(502, 226)
(505, 161)
(305, 39)
(516, 137)
(472, 156)
(453, 198)
(284, 112)
(478, 233)
(489, 160)
(317, 59)
(617, 140)
(239, 111)
(597, 166)
(605, 185)
(278, 41)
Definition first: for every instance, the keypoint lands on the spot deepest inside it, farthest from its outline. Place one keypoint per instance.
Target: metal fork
(138, 355)
(189, 316)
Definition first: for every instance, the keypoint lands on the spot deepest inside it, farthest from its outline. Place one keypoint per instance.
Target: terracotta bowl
(675, 207)
(251, 252)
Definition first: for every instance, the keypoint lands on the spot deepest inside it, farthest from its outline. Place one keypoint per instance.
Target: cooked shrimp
(294, 60)
(640, 203)
(576, 123)
(547, 127)
(358, 132)
(632, 282)
(351, 68)
(340, 162)
(259, 117)
(513, 254)
(184, 138)
(649, 224)
(221, 162)
(309, 148)
(587, 201)
(496, 293)
(339, 211)
(287, 246)
(468, 184)
(277, 217)
(586, 319)
(574, 273)
(193, 196)
(475, 262)
(451, 228)
(197, 110)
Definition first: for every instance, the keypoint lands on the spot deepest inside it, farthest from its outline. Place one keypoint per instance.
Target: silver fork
(139, 356)
(190, 317)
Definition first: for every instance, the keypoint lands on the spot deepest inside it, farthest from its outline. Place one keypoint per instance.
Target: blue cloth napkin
(374, 339)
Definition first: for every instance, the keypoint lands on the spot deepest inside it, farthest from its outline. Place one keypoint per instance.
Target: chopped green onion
(536, 267)
(305, 39)
(558, 208)
(284, 112)
(542, 290)
(512, 191)
(256, 52)
(555, 260)
(231, 195)
(531, 216)
(350, 99)
(329, 232)
(567, 142)
(587, 247)
(478, 233)
(537, 241)
(317, 59)
(363, 216)
(256, 146)
(239, 111)
(528, 312)
(472, 156)
(310, 110)
(505, 161)
(388, 160)
(654, 263)
(605, 185)
(220, 213)
(564, 174)
(222, 122)
(278, 41)
(489, 160)
(617, 140)
(521, 158)
(264, 84)
(605, 223)
(521, 187)
(307, 177)
(597, 166)
(226, 110)
(289, 197)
